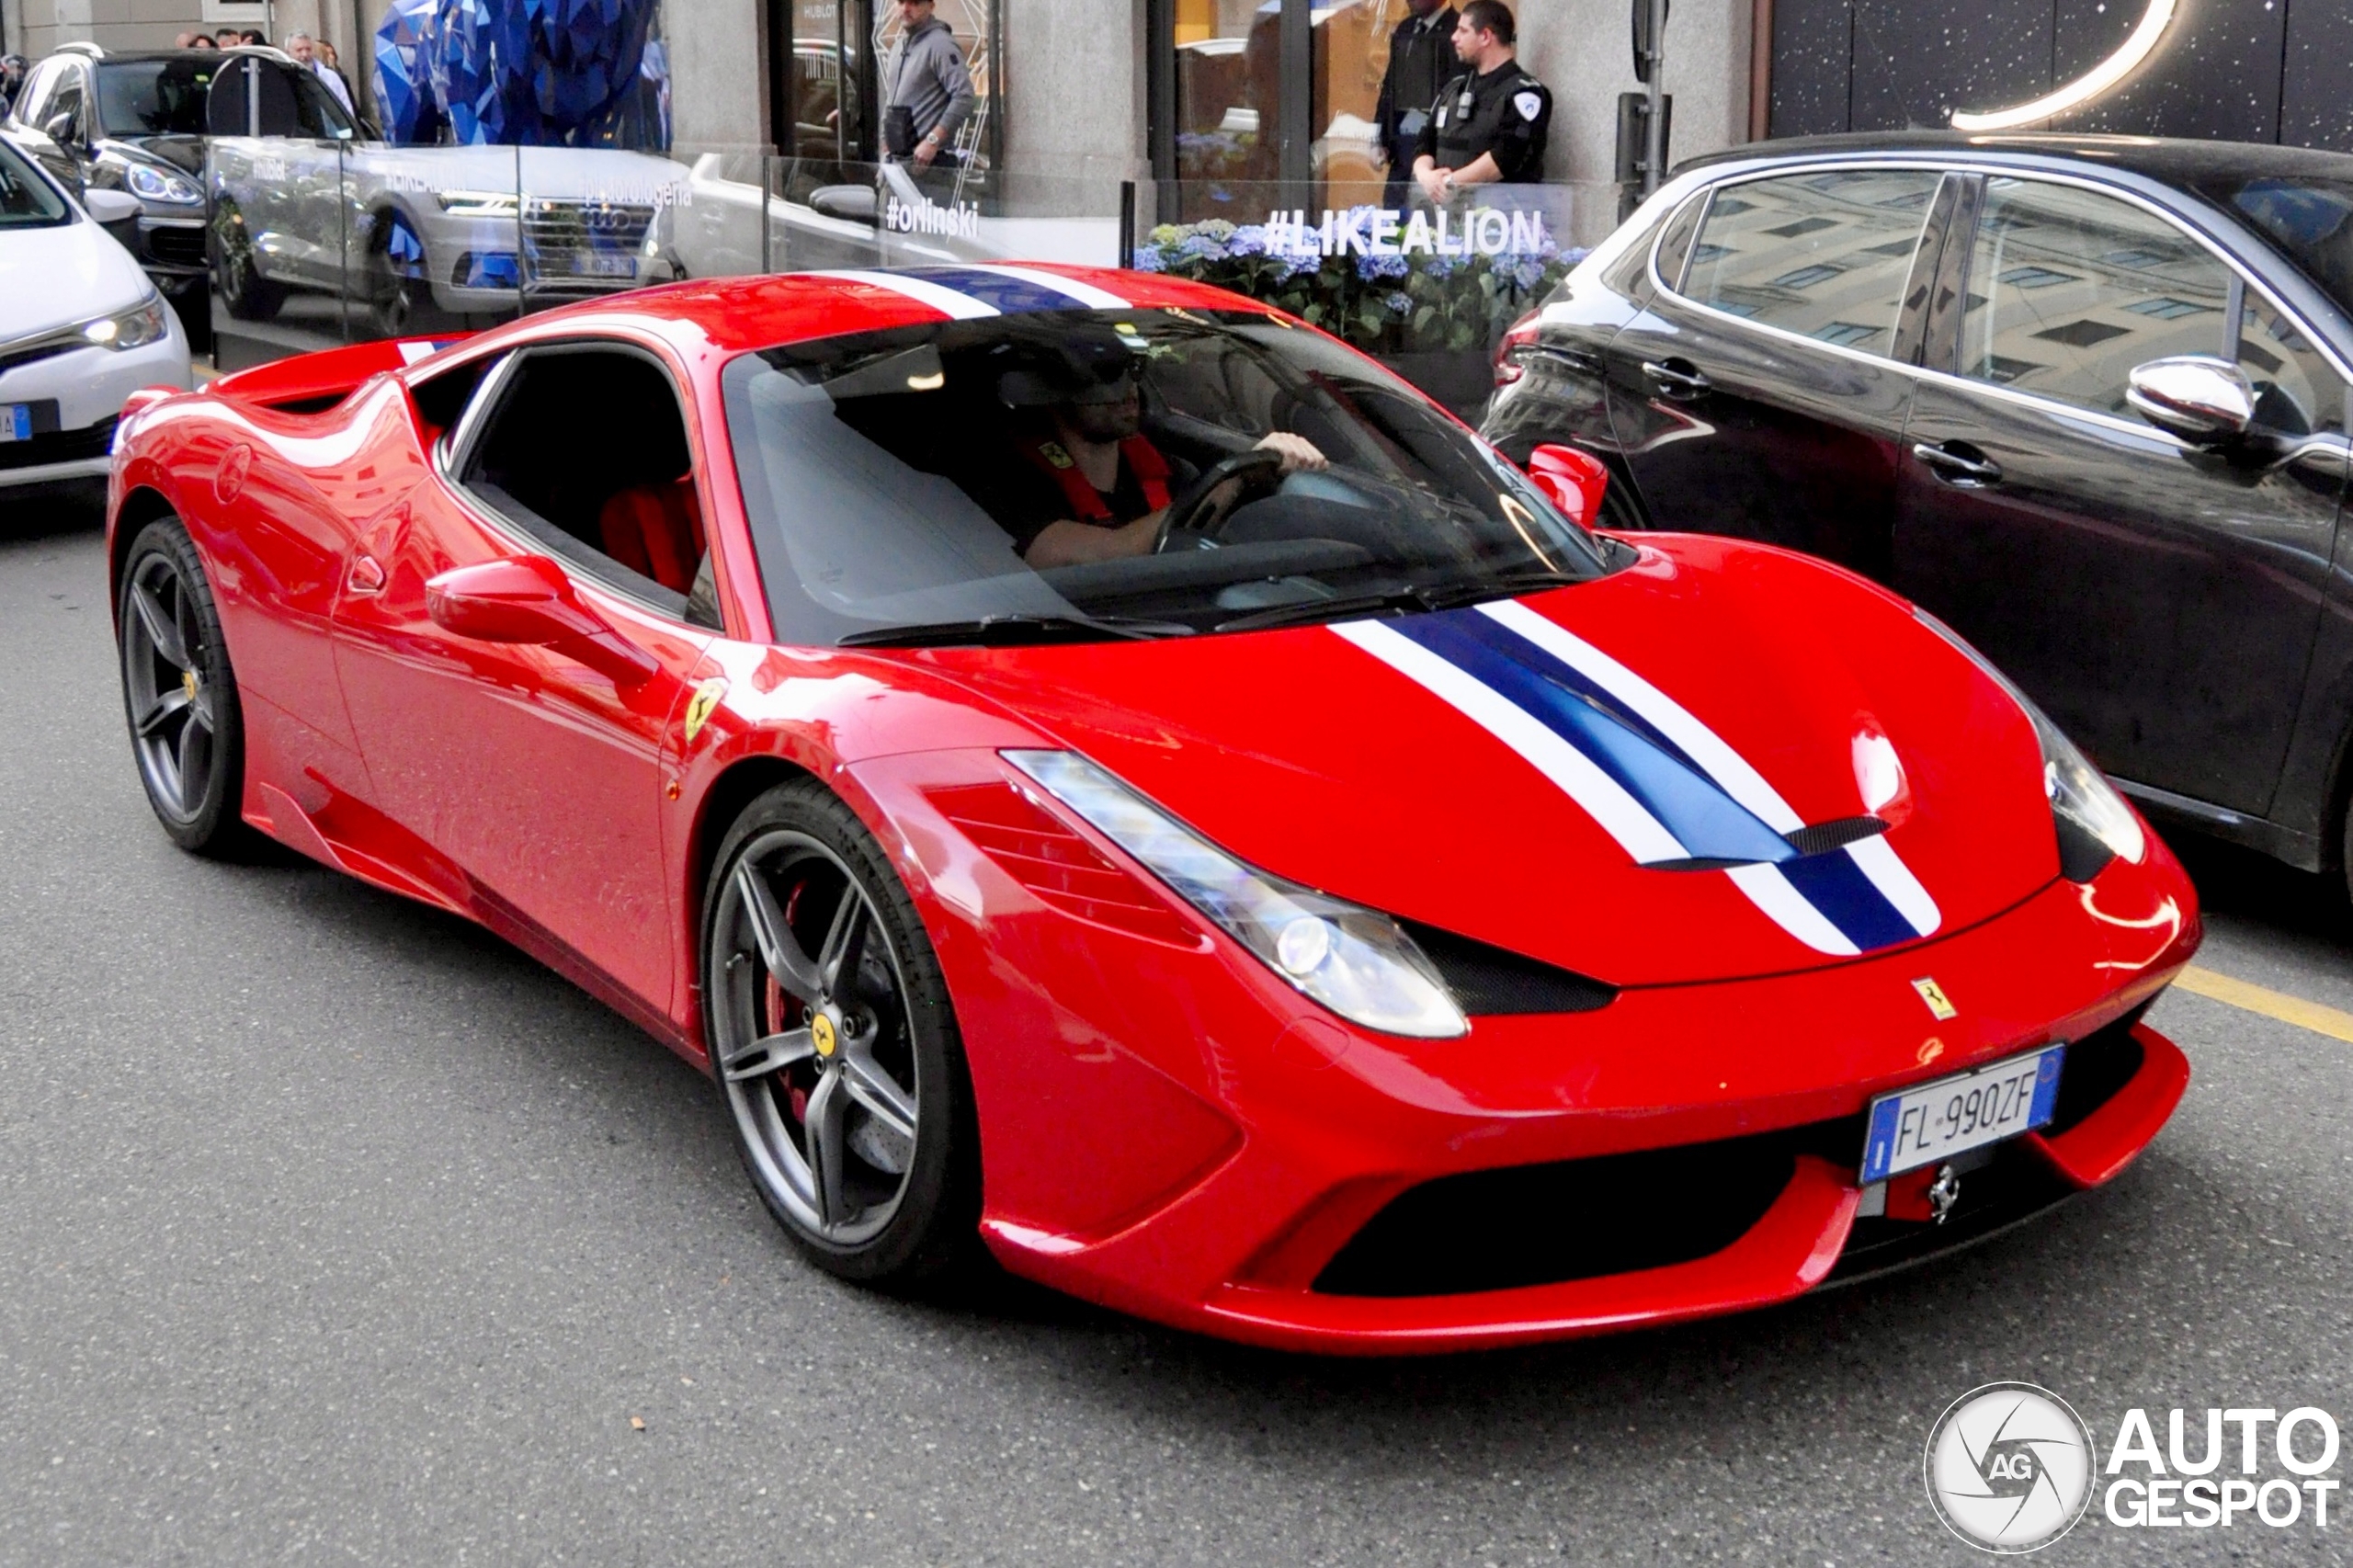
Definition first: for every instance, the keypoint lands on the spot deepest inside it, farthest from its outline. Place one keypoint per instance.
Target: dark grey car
(2084, 398)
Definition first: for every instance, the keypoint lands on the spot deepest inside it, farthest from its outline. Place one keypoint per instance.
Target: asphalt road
(333, 1230)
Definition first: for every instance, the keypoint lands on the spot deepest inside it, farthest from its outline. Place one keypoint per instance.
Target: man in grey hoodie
(930, 91)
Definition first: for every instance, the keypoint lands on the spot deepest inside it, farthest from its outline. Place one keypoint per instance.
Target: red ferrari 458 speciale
(1100, 770)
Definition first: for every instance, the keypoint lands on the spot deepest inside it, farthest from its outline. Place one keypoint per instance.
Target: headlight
(477, 203)
(1354, 960)
(155, 184)
(2094, 822)
(135, 328)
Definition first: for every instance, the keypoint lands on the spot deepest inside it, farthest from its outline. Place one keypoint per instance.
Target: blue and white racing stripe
(1657, 779)
(968, 293)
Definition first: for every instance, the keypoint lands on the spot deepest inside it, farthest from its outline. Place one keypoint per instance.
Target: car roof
(735, 314)
(2171, 161)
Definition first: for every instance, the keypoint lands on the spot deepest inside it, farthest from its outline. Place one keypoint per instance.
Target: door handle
(1676, 377)
(1958, 463)
(366, 576)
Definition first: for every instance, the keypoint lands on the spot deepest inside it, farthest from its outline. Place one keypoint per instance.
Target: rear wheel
(179, 693)
(835, 1046)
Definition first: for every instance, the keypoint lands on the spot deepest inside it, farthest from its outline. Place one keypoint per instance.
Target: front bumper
(89, 387)
(1173, 1132)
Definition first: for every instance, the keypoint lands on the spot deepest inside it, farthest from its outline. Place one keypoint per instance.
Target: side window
(587, 452)
(34, 98)
(316, 113)
(2297, 392)
(1675, 240)
(65, 104)
(2069, 290)
(1823, 255)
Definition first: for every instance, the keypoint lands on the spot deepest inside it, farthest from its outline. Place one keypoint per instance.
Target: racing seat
(655, 530)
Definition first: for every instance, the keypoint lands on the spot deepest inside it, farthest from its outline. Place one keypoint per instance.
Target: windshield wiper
(1000, 631)
(1449, 595)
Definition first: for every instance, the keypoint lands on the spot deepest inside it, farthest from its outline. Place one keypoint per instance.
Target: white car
(81, 327)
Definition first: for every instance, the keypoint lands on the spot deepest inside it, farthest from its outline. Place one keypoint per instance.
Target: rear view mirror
(110, 207)
(2205, 400)
(1572, 480)
(527, 599)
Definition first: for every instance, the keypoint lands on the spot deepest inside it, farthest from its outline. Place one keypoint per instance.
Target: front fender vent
(1825, 836)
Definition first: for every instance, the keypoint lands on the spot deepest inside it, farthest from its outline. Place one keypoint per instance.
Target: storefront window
(1228, 70)
(1351, 56)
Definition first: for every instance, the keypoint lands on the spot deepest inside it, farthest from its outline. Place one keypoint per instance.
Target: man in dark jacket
(1421, 58)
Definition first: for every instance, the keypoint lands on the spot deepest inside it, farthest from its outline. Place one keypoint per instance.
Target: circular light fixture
(2088, 85)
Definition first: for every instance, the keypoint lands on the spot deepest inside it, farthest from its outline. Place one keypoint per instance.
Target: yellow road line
(2271, 1004)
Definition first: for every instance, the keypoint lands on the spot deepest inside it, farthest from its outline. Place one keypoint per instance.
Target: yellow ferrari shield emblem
(1933, 995)
(821, 1033)
(1054, 453)
(699, 706)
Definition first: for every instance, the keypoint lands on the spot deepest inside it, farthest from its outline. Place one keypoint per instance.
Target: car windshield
(1134, 473)
(26, 200)
(2309, 220)
(153, 97)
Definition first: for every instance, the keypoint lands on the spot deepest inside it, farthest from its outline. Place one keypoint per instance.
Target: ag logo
(2009, 1467)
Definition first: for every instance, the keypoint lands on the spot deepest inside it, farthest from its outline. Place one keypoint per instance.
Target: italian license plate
(592, 266)
(1928, 1122)
(16, 421)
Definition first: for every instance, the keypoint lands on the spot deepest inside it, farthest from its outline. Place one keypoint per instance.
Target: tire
(236, 275)
(392, 288)
(822, 1111)
(179, 692)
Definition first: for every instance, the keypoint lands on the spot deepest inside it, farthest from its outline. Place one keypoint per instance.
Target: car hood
(184, 153)
(1615, 776)
(51, 278)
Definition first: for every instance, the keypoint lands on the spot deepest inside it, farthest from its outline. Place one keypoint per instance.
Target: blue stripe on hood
(1709, 824)
(1010, 295)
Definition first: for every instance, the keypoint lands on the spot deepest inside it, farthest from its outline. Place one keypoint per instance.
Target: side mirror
(2205, 400)
(110, 207)
(527, 599)
(1572, 480)
(853, 204)
(59, 127)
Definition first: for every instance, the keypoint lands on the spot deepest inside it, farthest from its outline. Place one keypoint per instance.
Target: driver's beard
(1105, 421)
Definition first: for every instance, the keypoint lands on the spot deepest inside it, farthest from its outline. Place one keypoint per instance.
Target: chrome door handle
(1959, 467)
(1675, 380)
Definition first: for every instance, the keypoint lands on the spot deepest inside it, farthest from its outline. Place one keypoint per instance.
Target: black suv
(2084, 398)
(133, 122)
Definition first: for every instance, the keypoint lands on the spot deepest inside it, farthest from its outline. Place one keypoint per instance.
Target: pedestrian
(331, 66)
(305, 51)
(13, 71)
(1488, 124)
(1421, 57)
(201, 41)
(930, 92)
(254, 37)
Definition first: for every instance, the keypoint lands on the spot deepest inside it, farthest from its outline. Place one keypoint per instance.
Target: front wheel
(835, 1046)
(236, 270)
(179, 693)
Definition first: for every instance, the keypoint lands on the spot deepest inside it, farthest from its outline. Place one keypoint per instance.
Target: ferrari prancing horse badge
(699, 706)
(1930, 992)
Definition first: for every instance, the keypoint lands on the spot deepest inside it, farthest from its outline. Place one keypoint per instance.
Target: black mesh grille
(2097, 1066)
(179, 246)
(1575, 1219)
(1490, 981)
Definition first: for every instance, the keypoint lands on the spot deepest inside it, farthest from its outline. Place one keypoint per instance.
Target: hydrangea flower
(1372, 268)
(1401, 304)
(1147, 259)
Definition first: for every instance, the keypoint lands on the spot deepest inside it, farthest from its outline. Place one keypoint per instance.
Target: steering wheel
(1255, 467)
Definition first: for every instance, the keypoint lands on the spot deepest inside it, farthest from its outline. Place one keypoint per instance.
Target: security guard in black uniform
(1488, 125)
(1421, 58)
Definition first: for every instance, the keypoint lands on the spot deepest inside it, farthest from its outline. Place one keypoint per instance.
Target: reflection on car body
(1936, 360)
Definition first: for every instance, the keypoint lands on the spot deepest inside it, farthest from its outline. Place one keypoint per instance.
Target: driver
(1098, 487)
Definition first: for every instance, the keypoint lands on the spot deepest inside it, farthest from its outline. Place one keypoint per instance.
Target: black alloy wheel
(833, 1043)
(236, 275)
(179, 693)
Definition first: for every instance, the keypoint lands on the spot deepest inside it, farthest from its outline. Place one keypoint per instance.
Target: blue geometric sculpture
(411, 116)
(515, 73)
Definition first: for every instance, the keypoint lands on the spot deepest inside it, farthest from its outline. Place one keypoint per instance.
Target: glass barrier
(1429, 288)
(316, 243)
